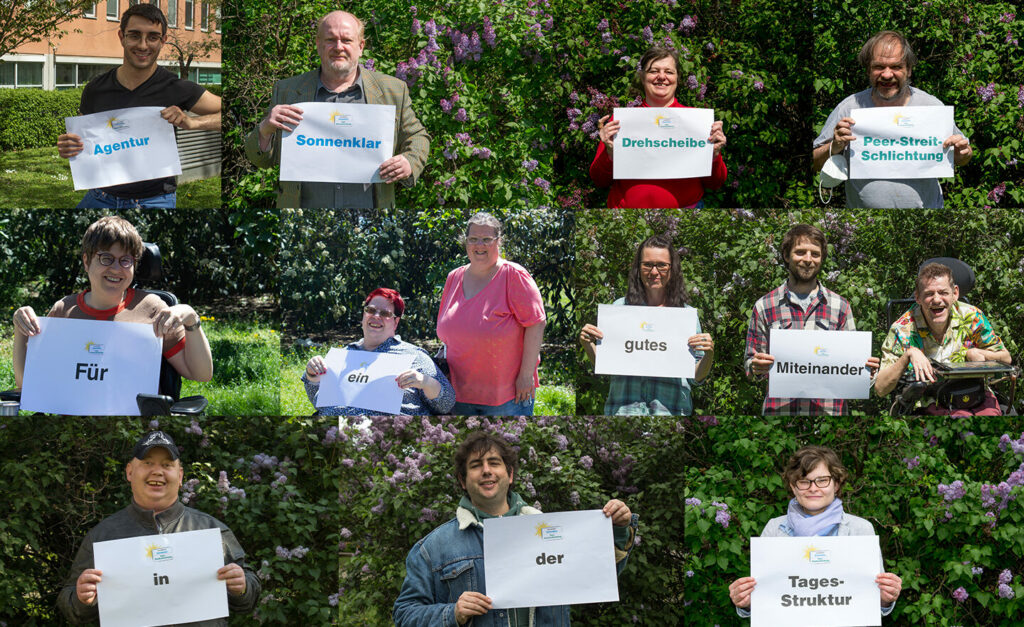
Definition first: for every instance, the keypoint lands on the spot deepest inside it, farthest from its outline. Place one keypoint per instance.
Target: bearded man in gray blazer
(340, 43)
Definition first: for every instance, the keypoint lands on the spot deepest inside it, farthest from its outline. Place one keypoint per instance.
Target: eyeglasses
(370, 310)
(821, 482)
(660, 267)
(106, 259)
(135, 37)
(486, 241)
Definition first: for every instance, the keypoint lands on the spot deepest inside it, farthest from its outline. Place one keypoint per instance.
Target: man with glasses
(139, 82)
(339, 43)
(801, 302)
(110, 249)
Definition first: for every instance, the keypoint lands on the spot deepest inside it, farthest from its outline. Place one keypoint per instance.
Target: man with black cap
(155, 474)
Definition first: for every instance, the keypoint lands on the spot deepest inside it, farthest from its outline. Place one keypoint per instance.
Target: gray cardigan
(848, 526)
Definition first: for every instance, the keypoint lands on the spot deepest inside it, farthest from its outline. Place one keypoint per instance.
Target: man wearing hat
(155, 474)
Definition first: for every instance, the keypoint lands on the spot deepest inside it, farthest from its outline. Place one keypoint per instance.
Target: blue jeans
(511, 408)
(99, 199)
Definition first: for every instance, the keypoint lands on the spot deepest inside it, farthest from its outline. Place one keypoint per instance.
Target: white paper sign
(363, 379)
(825, 581)
(338, 143)
(563, 558)
(123, 146)
(645, 341)
(90, 367)
(662, 143)
(901, 143)
(160, 580)
(819, 364)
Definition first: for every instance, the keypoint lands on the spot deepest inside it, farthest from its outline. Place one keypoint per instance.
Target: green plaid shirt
(650, 396)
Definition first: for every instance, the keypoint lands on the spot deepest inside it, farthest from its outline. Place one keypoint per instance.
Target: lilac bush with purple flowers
(596, 459)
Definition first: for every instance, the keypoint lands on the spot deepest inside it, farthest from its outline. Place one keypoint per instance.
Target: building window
(205, 17)
(21, 74)
(72, 75)
(189, 14)
(172, 13)
(91, 11)
(216, 16)
(208, 76)
(112, 11)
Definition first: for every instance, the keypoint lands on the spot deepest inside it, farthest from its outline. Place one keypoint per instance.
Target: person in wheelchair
(427, 390)
(111, 248)
(943, 330)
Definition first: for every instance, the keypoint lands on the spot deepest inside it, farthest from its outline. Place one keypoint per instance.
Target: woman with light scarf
(815, 477)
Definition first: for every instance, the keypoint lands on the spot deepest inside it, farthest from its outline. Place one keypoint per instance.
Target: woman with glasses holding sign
(657, 77)
(815, 477)
(491, 320)
(426, 390)
(655, 281)
(110, 249)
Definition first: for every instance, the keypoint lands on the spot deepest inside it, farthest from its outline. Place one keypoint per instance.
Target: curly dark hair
(675, 290)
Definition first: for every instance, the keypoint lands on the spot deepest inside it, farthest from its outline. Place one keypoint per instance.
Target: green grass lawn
(552, 400)
(246, 366)
(39, 178)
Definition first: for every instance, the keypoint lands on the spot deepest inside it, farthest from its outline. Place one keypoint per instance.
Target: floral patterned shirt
(968, 328)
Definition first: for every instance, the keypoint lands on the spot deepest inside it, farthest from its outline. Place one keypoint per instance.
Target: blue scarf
(824, 524)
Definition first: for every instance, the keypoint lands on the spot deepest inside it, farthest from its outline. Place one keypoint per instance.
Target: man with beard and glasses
(889, 60)
(939, 328)
(801, 302)
(340, 43)
(140, 82)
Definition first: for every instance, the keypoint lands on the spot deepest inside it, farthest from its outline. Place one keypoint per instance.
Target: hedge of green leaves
(943, 496)
(397, 483)
(969, 57)
(330, 261)
(730, 259)
(33, 118)
(61, 476)
(206, 253)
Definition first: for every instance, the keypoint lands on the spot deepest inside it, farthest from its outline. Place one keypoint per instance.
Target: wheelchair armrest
(912, 392)
(154, 404)
(10, 395)
(190, 406)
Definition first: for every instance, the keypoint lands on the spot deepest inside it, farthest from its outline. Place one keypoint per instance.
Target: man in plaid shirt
(802, 302)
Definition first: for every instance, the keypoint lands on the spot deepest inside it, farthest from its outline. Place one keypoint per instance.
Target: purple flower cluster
(960, 594)
(758, 85)
(489, 36)
(194, 428)
(297, 553)
(1005, 577)
(691, 82)
(688, 24)
(648, 34)
(261, 462)
(911, 462)
(603, 25)
(587, 462)
(997, 193)
(1005, 591)
(988, 92)
(1020, 97)
(465, 46)
(332, 436)
(977, 570)
(530, 164)
(952, 492)
(188, 490)
(561, 441)
(1007, 17)
(428, 515)
(736, 73)
(345, 533)
(693, 501)
(482, 153)
(460, 115)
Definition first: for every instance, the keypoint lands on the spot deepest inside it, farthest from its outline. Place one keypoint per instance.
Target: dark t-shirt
(162, 89)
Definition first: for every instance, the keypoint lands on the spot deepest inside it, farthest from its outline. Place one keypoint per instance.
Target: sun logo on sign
(663, 121)
(901, 120)
(820, 351)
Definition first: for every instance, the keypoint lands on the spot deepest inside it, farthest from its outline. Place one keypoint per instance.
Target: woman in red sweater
(659, 78)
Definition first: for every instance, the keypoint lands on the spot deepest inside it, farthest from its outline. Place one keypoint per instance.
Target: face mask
(835, 171)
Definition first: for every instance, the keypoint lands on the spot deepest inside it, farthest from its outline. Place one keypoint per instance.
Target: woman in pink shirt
(658, 78)
(491, 321)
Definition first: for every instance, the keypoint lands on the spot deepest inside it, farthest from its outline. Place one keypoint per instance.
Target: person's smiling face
(888, 74)
(377, 328)
(108, 283)
(936, 297)
(814, 499)
(483, 246)
(155, 479)
(487, 480)
(661, 80)
(804, 261)
(142, 41)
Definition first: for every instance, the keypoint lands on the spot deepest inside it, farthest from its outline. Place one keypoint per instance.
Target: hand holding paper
(85, 587)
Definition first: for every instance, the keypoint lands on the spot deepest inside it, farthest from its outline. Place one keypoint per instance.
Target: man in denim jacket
(445, 570)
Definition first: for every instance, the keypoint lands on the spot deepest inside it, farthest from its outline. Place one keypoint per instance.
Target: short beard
(899, 95)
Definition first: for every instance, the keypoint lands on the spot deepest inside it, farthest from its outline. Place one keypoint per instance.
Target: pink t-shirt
(484, 334)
